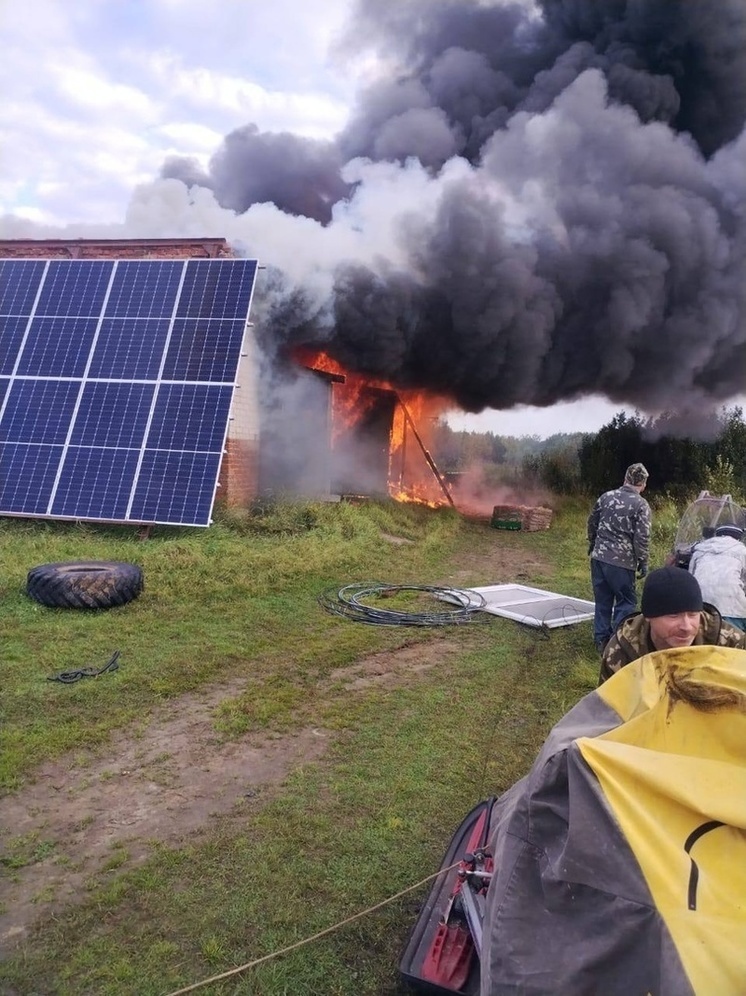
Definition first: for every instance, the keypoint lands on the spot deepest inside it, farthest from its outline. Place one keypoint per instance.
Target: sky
(98, 94)
(587, 415)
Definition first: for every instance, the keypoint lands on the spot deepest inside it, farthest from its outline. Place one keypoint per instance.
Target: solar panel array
(116, 382)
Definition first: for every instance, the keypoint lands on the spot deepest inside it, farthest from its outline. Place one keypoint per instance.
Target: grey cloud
(697, 44)
(300, 175)
(383, 101)
(419, 132)
(597, 243)
(187, 169)
(630, 284)
(679, 61)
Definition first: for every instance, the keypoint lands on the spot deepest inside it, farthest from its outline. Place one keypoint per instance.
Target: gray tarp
(569, 910)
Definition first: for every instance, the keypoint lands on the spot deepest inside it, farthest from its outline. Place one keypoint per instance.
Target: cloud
(186, 135)
(97, 95)
(90, 92)
(200, 90)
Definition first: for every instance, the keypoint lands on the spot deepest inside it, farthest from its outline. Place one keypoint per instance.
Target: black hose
(68, 677)
(348, 603)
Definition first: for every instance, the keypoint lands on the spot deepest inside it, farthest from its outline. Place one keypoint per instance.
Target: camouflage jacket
(619, 529)
(632, 639)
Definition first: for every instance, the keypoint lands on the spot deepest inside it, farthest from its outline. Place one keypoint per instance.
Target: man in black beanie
(672, 615)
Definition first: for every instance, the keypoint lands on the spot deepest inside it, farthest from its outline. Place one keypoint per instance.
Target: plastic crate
(505, 523)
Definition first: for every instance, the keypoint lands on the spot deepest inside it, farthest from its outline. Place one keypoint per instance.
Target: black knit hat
(668, 591)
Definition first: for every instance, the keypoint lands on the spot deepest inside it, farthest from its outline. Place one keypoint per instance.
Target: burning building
(334, 434)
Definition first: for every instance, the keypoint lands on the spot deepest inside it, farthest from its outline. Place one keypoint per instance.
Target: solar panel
(116, 383)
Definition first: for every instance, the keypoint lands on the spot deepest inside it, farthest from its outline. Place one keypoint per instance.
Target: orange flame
(411, 479)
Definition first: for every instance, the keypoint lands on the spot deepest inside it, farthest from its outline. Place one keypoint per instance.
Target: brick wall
(238, 481)
(114, 249)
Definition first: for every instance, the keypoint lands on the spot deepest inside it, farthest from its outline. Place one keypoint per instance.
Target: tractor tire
(92, 584)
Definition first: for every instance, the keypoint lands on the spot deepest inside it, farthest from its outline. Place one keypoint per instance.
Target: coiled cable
(350, 602)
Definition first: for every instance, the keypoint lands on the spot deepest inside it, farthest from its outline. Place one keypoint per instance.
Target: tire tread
(85, 584)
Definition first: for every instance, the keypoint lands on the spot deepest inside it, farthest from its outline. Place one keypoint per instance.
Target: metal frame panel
(534, 606)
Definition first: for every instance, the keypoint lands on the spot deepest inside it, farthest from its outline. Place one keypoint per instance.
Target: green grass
(406, 761)
(217, 604)
(26, 849)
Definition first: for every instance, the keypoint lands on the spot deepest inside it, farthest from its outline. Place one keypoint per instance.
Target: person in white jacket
(719, 564)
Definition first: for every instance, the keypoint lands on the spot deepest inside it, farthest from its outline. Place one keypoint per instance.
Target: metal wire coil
(348, 603)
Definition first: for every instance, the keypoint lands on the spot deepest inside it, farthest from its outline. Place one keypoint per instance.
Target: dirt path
(165, 784)
(169, 779)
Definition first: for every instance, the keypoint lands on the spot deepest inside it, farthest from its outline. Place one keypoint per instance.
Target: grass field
(389, 736)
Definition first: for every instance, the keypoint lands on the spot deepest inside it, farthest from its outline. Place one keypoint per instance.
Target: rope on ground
(348, 603)
(313, 937)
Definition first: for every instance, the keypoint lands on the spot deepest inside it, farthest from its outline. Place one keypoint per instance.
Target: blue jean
(615, 596)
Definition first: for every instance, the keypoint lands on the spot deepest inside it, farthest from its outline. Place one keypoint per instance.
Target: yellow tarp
(675, 765)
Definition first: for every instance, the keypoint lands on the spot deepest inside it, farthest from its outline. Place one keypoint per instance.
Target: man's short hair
(636, 474)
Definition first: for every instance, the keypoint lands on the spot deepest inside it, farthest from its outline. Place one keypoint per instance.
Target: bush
(720, 479)
(269, 516)
(558, 471)
(666, 515)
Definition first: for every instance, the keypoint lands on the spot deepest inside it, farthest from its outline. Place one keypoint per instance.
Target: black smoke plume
(592, 240)
(299, 175)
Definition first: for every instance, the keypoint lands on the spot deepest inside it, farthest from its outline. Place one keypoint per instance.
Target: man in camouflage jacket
(618, 542)
(673, 615)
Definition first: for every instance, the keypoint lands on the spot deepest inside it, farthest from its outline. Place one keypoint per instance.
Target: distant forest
(681, 460)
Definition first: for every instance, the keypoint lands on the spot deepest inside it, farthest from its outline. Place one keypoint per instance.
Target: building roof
(206, 247)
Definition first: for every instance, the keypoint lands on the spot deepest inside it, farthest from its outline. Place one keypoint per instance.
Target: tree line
(682, 459)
